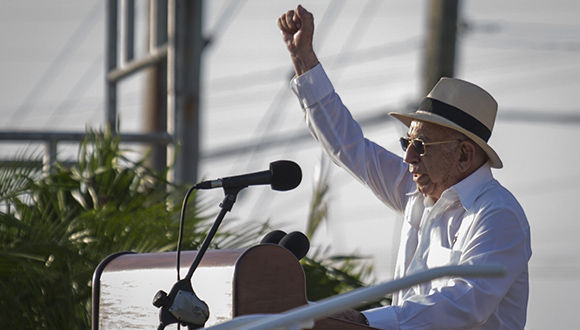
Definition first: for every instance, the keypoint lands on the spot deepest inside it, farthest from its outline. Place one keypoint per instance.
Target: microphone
(297, 243)
(273, 237)
(282, 175)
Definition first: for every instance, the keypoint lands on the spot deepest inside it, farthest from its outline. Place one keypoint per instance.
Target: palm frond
(319, 202)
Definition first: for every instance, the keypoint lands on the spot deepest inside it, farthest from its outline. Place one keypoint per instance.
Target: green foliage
(55, 229)
(332, 275)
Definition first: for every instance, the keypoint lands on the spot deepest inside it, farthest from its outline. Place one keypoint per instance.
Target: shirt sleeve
(464, 303)
(332, 125)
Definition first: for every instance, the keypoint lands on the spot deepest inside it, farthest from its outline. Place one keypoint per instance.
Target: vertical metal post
(50, 156)
(154, 7)
(440, 42)
(184, 89)
(111, 64)
(156, 90)
(128, 31)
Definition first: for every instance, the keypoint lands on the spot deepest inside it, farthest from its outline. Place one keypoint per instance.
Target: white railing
(303, 317)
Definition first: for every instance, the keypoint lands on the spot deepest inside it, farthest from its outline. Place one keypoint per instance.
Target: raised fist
(297, 27)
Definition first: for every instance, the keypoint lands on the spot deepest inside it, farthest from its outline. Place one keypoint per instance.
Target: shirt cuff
(312, 86)
(382, 318)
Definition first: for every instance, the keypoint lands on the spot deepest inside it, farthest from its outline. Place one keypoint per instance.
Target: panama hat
(461, 106)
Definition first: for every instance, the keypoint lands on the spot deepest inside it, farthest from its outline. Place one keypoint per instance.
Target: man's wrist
(304, 63)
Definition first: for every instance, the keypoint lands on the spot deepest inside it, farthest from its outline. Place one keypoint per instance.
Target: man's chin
(425, 189)
(428, 191)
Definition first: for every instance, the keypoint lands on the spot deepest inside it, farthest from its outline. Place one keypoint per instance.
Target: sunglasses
(419, 145)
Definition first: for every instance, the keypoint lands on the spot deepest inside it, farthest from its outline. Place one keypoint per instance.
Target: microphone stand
(182, 305)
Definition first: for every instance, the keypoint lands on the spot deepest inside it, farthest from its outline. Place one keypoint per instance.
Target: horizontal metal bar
(34, 163)
(305, 314)
(38, 163)
(146, 138)
(153, 58)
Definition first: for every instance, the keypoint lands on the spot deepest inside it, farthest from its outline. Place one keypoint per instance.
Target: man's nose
(411, 155)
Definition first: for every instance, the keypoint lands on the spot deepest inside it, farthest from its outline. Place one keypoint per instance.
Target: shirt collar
(470, 188)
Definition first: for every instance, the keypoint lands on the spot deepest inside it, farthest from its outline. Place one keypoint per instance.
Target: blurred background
(525, 53)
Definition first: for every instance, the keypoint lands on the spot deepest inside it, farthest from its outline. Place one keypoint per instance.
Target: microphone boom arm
(226, 206)
(181, 304)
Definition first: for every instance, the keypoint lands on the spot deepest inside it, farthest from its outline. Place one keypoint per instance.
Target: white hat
(461, 106)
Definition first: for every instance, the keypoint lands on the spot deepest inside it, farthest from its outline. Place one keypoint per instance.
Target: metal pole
(440, 42)
(128, 32)
(50, 156)
(156, 93)
(185, 86)
(111, 64)
(152, 25)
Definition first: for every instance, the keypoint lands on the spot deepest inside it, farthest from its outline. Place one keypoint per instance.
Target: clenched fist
(297, 27)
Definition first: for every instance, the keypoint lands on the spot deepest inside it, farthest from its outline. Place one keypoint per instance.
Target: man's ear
(466, 155)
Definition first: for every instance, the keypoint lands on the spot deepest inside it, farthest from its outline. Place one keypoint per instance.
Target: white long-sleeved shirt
(476, 221)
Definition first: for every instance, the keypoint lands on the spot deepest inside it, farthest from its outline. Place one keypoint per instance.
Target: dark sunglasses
(419, 145)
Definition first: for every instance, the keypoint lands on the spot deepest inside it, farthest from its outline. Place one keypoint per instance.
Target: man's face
(437, 169)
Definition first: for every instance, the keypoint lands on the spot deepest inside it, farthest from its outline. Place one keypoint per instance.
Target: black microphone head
(273, 237)
(286, 175)
(297, 243)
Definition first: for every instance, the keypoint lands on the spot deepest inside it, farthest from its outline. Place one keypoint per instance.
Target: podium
(263, 279)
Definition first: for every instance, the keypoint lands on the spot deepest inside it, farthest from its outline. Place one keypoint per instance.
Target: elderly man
(454, 211)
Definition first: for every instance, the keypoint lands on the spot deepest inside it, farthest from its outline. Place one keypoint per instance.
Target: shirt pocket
(441, 256)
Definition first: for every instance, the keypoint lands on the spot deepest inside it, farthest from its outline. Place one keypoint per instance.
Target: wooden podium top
(263, 279)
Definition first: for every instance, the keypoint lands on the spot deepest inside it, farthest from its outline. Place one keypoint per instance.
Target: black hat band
(457, 116)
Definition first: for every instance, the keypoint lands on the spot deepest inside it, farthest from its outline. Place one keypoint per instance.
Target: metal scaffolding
(175, 45)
